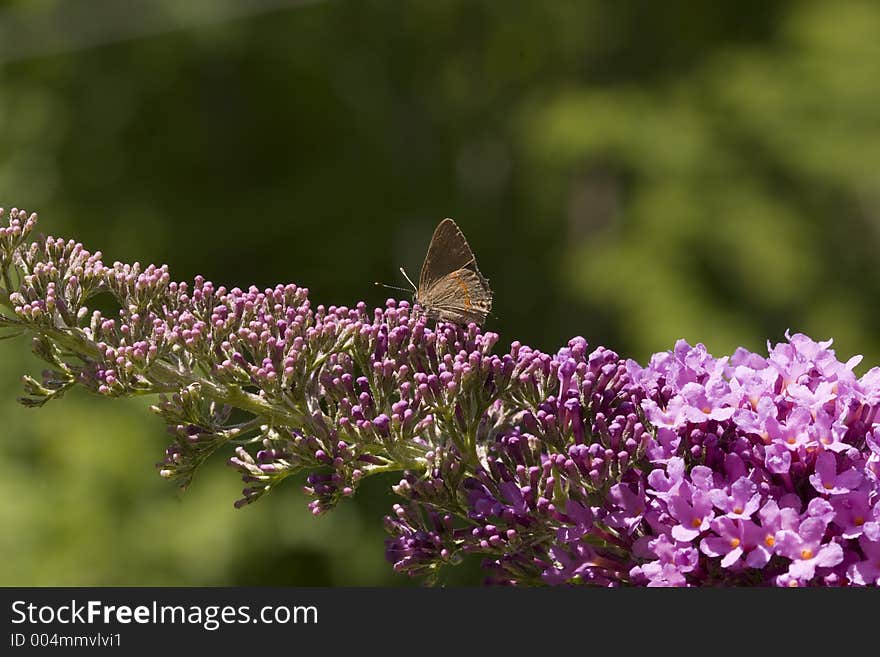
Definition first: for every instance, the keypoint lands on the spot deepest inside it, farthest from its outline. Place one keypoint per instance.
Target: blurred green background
(633, 172)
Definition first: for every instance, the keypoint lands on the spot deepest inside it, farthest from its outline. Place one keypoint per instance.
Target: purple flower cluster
(574, 431)
(764, 470)
(385, 396)
(565, 468)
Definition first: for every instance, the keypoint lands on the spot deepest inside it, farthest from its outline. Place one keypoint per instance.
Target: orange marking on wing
(464, 289)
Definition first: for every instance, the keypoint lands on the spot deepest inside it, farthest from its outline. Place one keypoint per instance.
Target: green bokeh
(630, 172)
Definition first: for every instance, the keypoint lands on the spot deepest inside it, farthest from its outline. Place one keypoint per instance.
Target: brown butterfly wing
(462, 296)
(447, 252)
(451, 287)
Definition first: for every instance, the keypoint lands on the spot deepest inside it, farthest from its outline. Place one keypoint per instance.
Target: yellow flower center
(696, 522)
(770, 540)
(806, 554)
(734, 542)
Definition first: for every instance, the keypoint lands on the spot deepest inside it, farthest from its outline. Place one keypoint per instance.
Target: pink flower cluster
(765, 470)
(577, 467)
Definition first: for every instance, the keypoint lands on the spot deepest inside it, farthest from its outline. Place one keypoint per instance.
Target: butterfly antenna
(403, 271)
(391, 287)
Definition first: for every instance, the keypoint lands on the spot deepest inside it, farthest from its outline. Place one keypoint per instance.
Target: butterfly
(451, 287)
